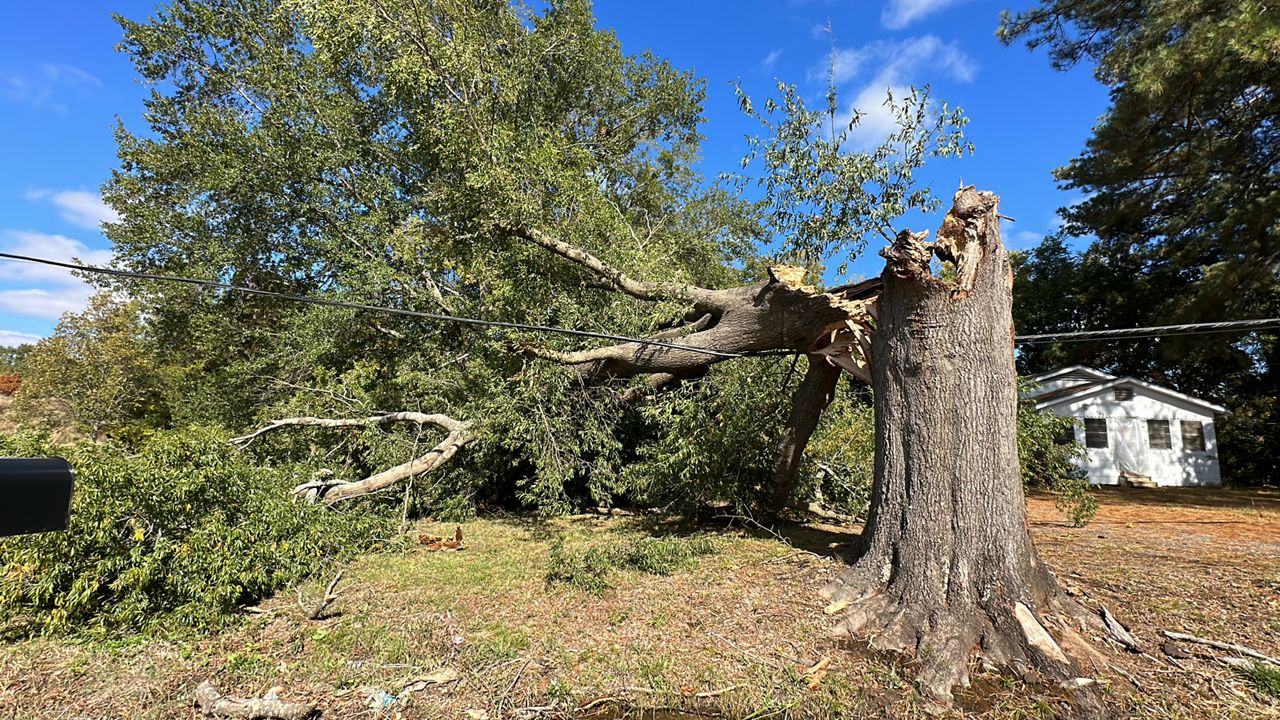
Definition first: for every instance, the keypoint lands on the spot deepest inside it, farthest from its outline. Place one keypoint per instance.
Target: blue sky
(62, 87)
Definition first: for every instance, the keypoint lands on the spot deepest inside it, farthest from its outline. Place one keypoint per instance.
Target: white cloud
(52, 247)
(770, 59)
(78, 207)
(46, 86)
(13, 338)
(45, 304)
(901, 13)
(42, 291)
(69, 75)
(896, 64)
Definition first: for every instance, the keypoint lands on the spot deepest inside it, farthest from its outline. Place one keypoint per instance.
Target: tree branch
(330, 491)
(443, 421)
(215, 703)
(432, 460)
(648, 291)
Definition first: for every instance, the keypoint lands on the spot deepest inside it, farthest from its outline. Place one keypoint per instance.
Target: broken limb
(330, 491)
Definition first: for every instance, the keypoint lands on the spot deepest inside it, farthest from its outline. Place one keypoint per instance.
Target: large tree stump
(947, 568)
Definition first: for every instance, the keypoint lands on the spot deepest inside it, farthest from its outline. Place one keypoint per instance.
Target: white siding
(1176, 466)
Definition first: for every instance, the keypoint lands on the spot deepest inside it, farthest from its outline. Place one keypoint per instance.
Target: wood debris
(434, 542)
(1119, 632)
(814, 674)
(265, 708)
(1231, 647)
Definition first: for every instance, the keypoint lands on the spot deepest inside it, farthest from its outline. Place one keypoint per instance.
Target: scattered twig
(1132, 680)
(327, 600)
(267, 708)
(745, 653)
(750, 520)
(514, 681)
(1119, 632)
(1232, 647)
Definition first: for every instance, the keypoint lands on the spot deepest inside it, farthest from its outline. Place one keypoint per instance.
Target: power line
(1137, 333)
(1140, 333)
(372, 308)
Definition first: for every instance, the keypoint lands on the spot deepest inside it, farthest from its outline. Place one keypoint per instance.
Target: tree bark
(331, 491)
(810, 400)
(947, 566)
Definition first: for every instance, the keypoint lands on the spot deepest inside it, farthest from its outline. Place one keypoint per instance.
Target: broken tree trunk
(947, 566)
(811, 399)
(331, 491)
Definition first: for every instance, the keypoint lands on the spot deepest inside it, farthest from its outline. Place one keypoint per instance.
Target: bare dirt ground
(731, 637)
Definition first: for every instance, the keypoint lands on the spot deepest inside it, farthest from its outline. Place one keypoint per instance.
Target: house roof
(1079, 392)
(1078, 369)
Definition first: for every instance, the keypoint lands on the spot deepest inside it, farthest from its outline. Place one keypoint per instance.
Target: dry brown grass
(730, 637)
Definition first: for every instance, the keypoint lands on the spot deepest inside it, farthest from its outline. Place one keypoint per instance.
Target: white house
(1134, 432)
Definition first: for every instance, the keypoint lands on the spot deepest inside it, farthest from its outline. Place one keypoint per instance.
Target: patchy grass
(722, 623)
(1263, 678)
(588, 568)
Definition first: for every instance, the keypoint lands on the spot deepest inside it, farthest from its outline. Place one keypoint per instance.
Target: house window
(1095, 432)
(1158, 434)
(1192, 435)
(1124, 393)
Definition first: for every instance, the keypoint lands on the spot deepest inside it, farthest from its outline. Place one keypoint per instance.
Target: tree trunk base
(994, 631)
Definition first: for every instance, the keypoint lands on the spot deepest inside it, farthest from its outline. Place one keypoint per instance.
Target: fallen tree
(947, 571)
(484, 159)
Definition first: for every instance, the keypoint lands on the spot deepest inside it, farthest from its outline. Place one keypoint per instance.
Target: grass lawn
(717, 622)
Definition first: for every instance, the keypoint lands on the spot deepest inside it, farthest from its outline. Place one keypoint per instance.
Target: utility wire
(1138, 333)
(1151, 332)
(373, 308)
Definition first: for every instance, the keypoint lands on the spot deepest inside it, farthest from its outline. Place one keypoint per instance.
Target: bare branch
(330, 491)
(432, 460)
(329, 596)
(443, 421)
(641, 290)
(215, 703)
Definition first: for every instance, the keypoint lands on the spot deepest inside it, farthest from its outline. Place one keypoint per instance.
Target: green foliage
(13, 359)
(588, 568)
(821, 195)
(96, 372)
(841, 454)
(1262, 677)
(176, 534)
(1181, 191)
(1047, 450)
(712, 439)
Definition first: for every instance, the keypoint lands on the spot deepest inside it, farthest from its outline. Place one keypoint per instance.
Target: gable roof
(1079, 392)
(1071, 370)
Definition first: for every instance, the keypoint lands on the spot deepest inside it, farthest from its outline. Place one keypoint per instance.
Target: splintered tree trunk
(947, 566)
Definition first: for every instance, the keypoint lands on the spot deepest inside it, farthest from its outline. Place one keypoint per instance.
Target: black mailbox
(36, 495)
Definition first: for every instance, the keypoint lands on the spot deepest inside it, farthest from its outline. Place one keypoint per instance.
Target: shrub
(1047, 453)
(9, 383)
(177, 534)
(588, 568)
(841, 455)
